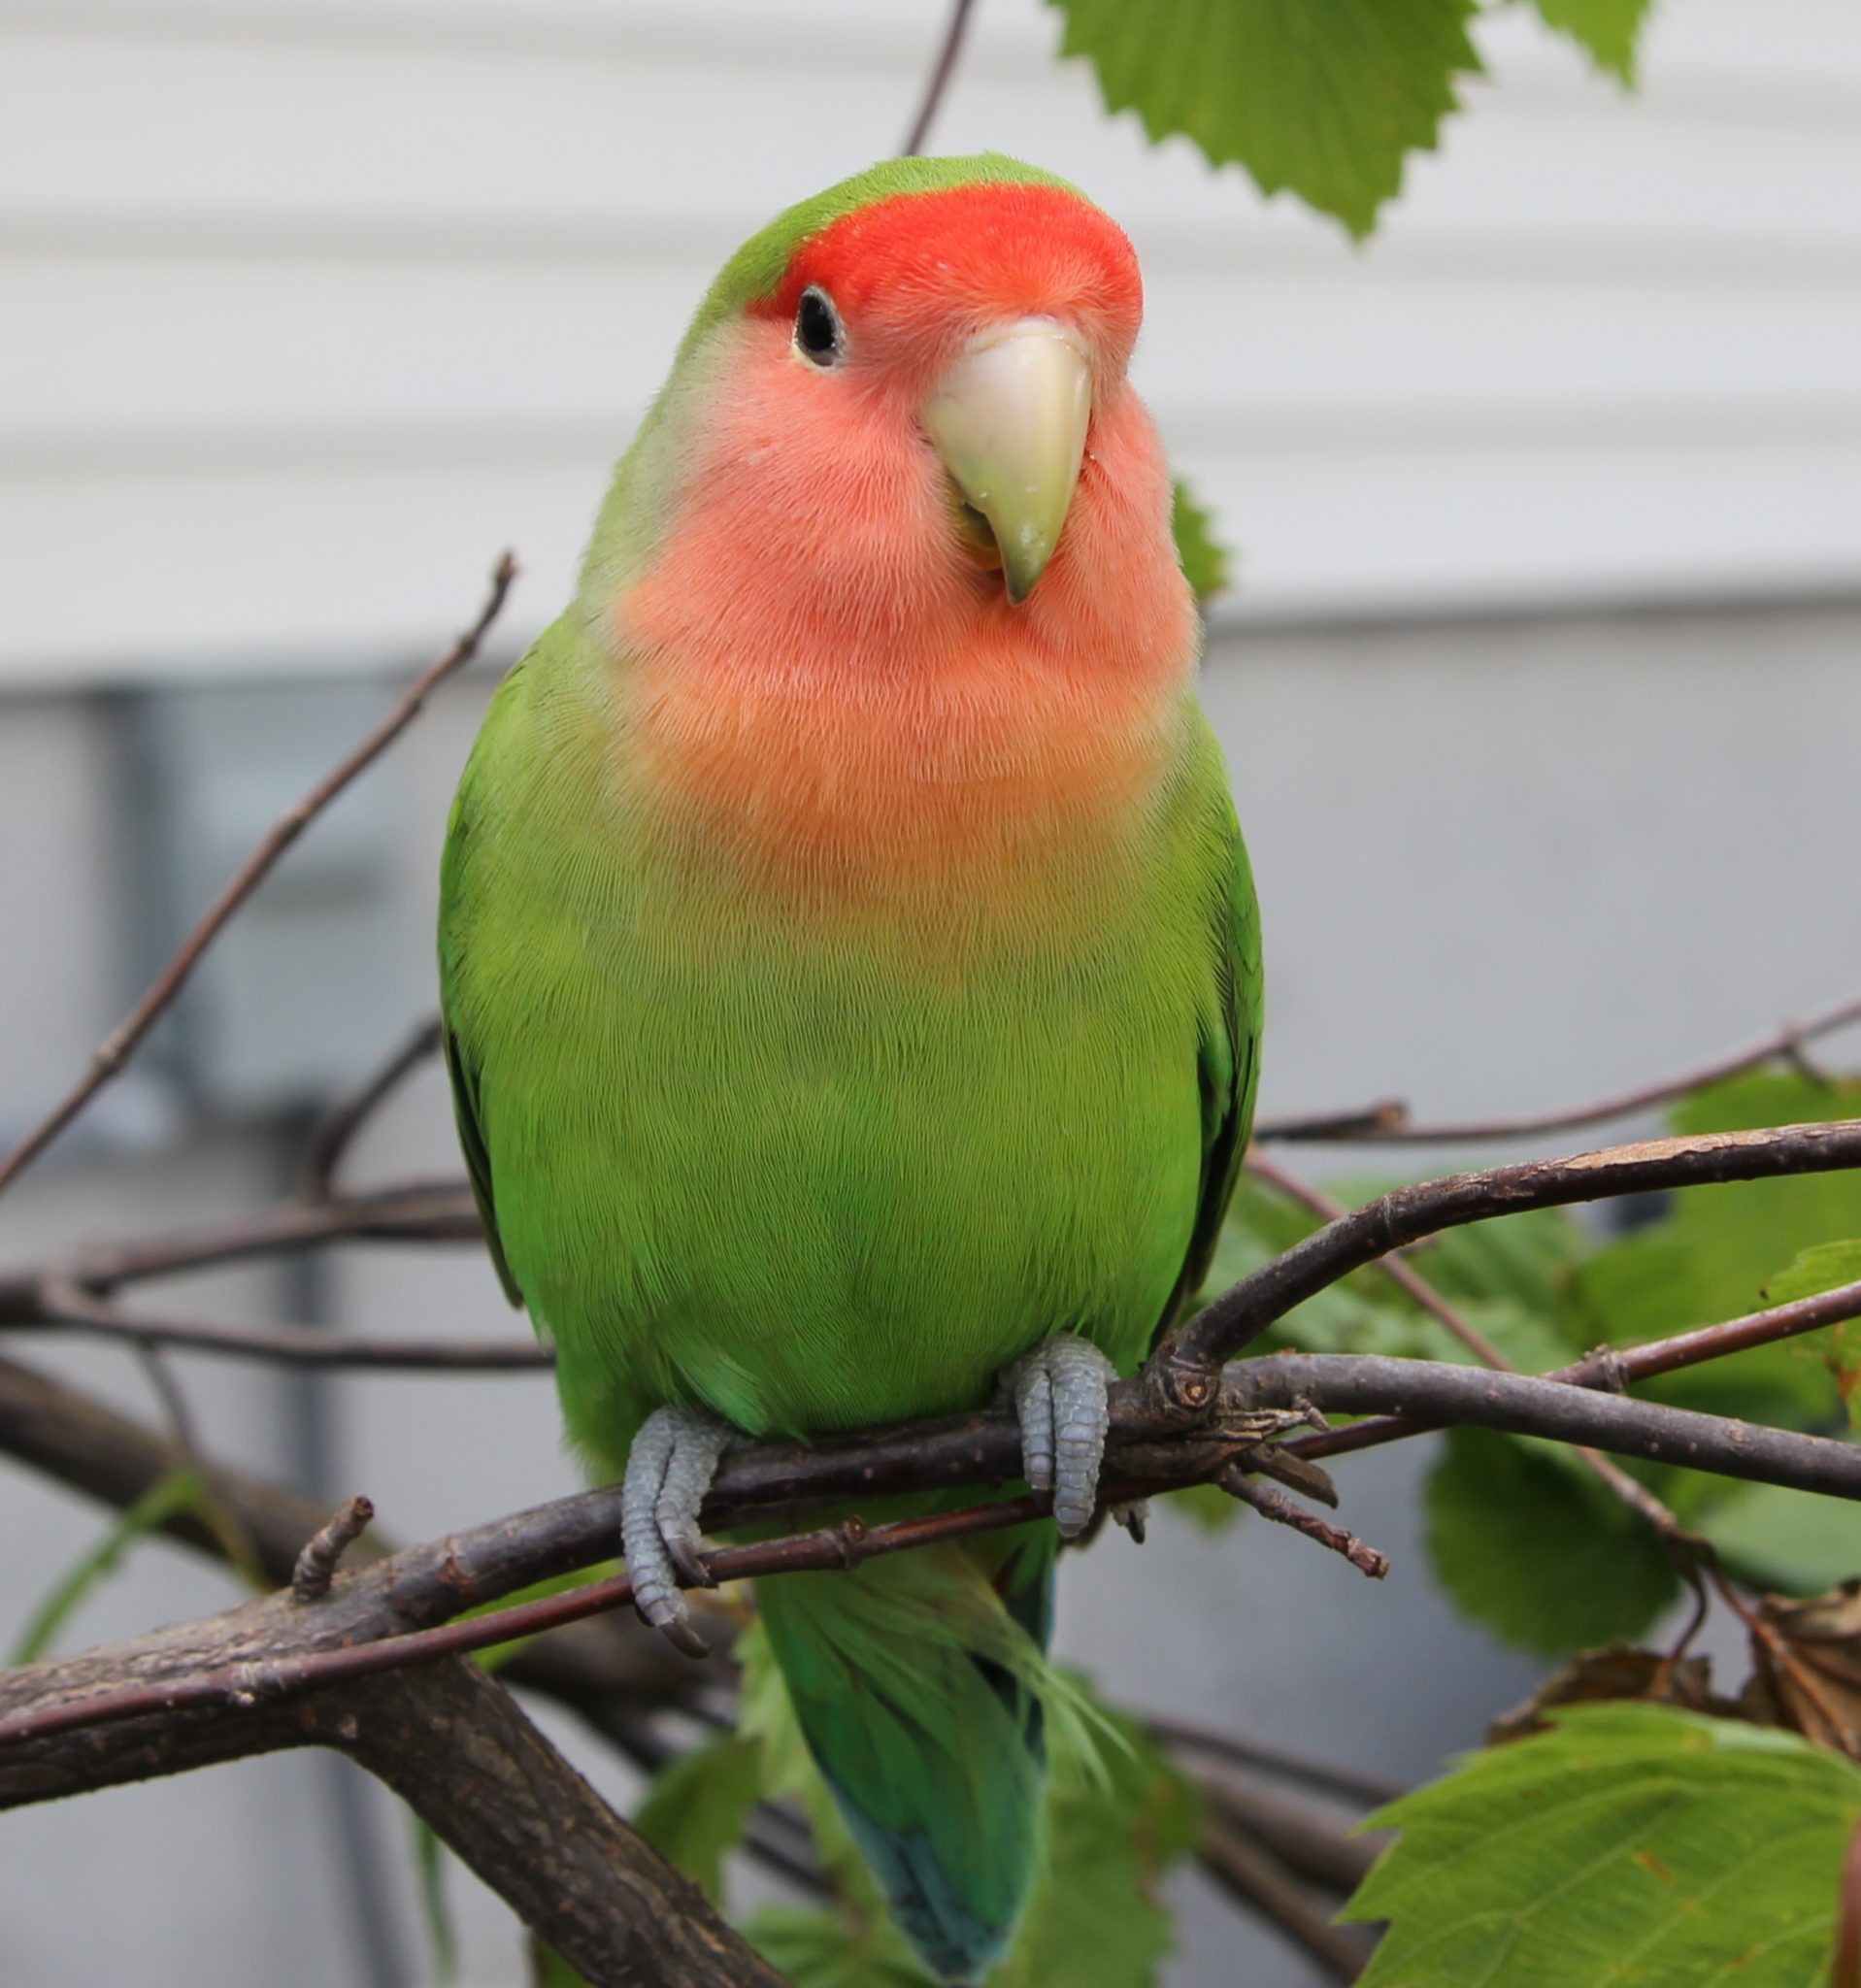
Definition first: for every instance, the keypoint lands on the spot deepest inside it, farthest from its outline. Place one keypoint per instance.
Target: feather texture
(852, 980)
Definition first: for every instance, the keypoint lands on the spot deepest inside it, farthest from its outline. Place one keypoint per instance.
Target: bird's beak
(1008, 419)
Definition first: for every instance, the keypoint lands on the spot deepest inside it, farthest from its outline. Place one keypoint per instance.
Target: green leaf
(1607, 31)
(1792, 1542)
(1321, 98)
(1095, 1916)
(826, 1950)
(1207, 563)
(178, 1492)
(1811, 1272)
(1206, 1507)
(1823, 1267)
(1711, 1257)
(1529, 1544)
(1632, 1845)
(694, 1811)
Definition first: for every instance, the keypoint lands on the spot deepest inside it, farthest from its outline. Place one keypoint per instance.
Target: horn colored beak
(1008, 419)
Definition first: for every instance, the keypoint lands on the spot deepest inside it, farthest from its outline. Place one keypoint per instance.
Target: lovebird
(850, 962)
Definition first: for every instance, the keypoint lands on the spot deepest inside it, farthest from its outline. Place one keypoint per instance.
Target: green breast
(815, 1174)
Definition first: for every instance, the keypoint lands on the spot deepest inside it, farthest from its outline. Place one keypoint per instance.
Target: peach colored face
(907, 419)
(919, 566)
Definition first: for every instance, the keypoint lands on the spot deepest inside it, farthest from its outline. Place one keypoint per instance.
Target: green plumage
(812, 1174)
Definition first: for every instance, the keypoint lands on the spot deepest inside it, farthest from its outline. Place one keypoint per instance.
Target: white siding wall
(307, 308)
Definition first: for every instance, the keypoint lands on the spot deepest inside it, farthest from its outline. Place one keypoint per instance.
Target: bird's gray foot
(1060, 1391)
(669, 1469)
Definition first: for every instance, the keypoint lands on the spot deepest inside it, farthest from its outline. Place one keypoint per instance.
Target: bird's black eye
(819, 333)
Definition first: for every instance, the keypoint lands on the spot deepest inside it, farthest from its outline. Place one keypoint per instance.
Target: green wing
(1228, 1065)
(467, 1108)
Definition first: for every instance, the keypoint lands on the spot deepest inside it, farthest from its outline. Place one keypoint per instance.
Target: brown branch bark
(121, 1043)
(390, 1606)
(457, 1748)
(448, 1740)
(605, 1670)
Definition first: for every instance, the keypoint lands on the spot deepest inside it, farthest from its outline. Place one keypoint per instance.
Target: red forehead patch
(1000, 247)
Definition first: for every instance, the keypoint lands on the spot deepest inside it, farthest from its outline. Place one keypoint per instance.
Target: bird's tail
(922, 1688)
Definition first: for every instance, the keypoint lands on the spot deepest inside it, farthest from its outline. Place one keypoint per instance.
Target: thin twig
(1386, 1122)
(940, 77)
(241, 1685)
(316, 1564)
(337, 1131)
(1255, 1878)
(1370, 1123)
(407, 1211)
(1275, 1505)
(64, 1308)
(1242, 1751)
(1613, 1371)
(1312, 1845)
(1431, 1392)
(1845, 1971)
(79, 1442)
(120, 1043)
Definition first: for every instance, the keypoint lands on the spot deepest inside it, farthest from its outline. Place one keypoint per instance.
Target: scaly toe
(1060, 1392)
(669, 1469)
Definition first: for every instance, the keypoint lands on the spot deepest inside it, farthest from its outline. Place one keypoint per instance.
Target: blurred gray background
(1542, 689)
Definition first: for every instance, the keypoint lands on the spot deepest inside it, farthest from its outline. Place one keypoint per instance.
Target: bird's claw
(1061, 1401)
(669, 1469)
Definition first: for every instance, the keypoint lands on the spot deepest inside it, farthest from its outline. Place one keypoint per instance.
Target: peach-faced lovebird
(850, 962)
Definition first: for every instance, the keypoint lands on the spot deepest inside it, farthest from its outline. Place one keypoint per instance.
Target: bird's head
(903, 410)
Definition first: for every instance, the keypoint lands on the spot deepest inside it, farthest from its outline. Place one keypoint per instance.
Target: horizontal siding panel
(305, 309)
(1800, 44)
(241, 127)
(157, 348)
(243, 569)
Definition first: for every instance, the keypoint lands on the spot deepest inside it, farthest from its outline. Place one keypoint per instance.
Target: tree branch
(943, 68)
(1184, 1372)
(57, 1306)
(336, 1132)
(1604, 1368)
(398, 1611)
(409, 1211)
(452, 1743)
(1620, 1485)
(121, 1043)
(458, 1750)
(596, 1668)
(1386, 1122)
